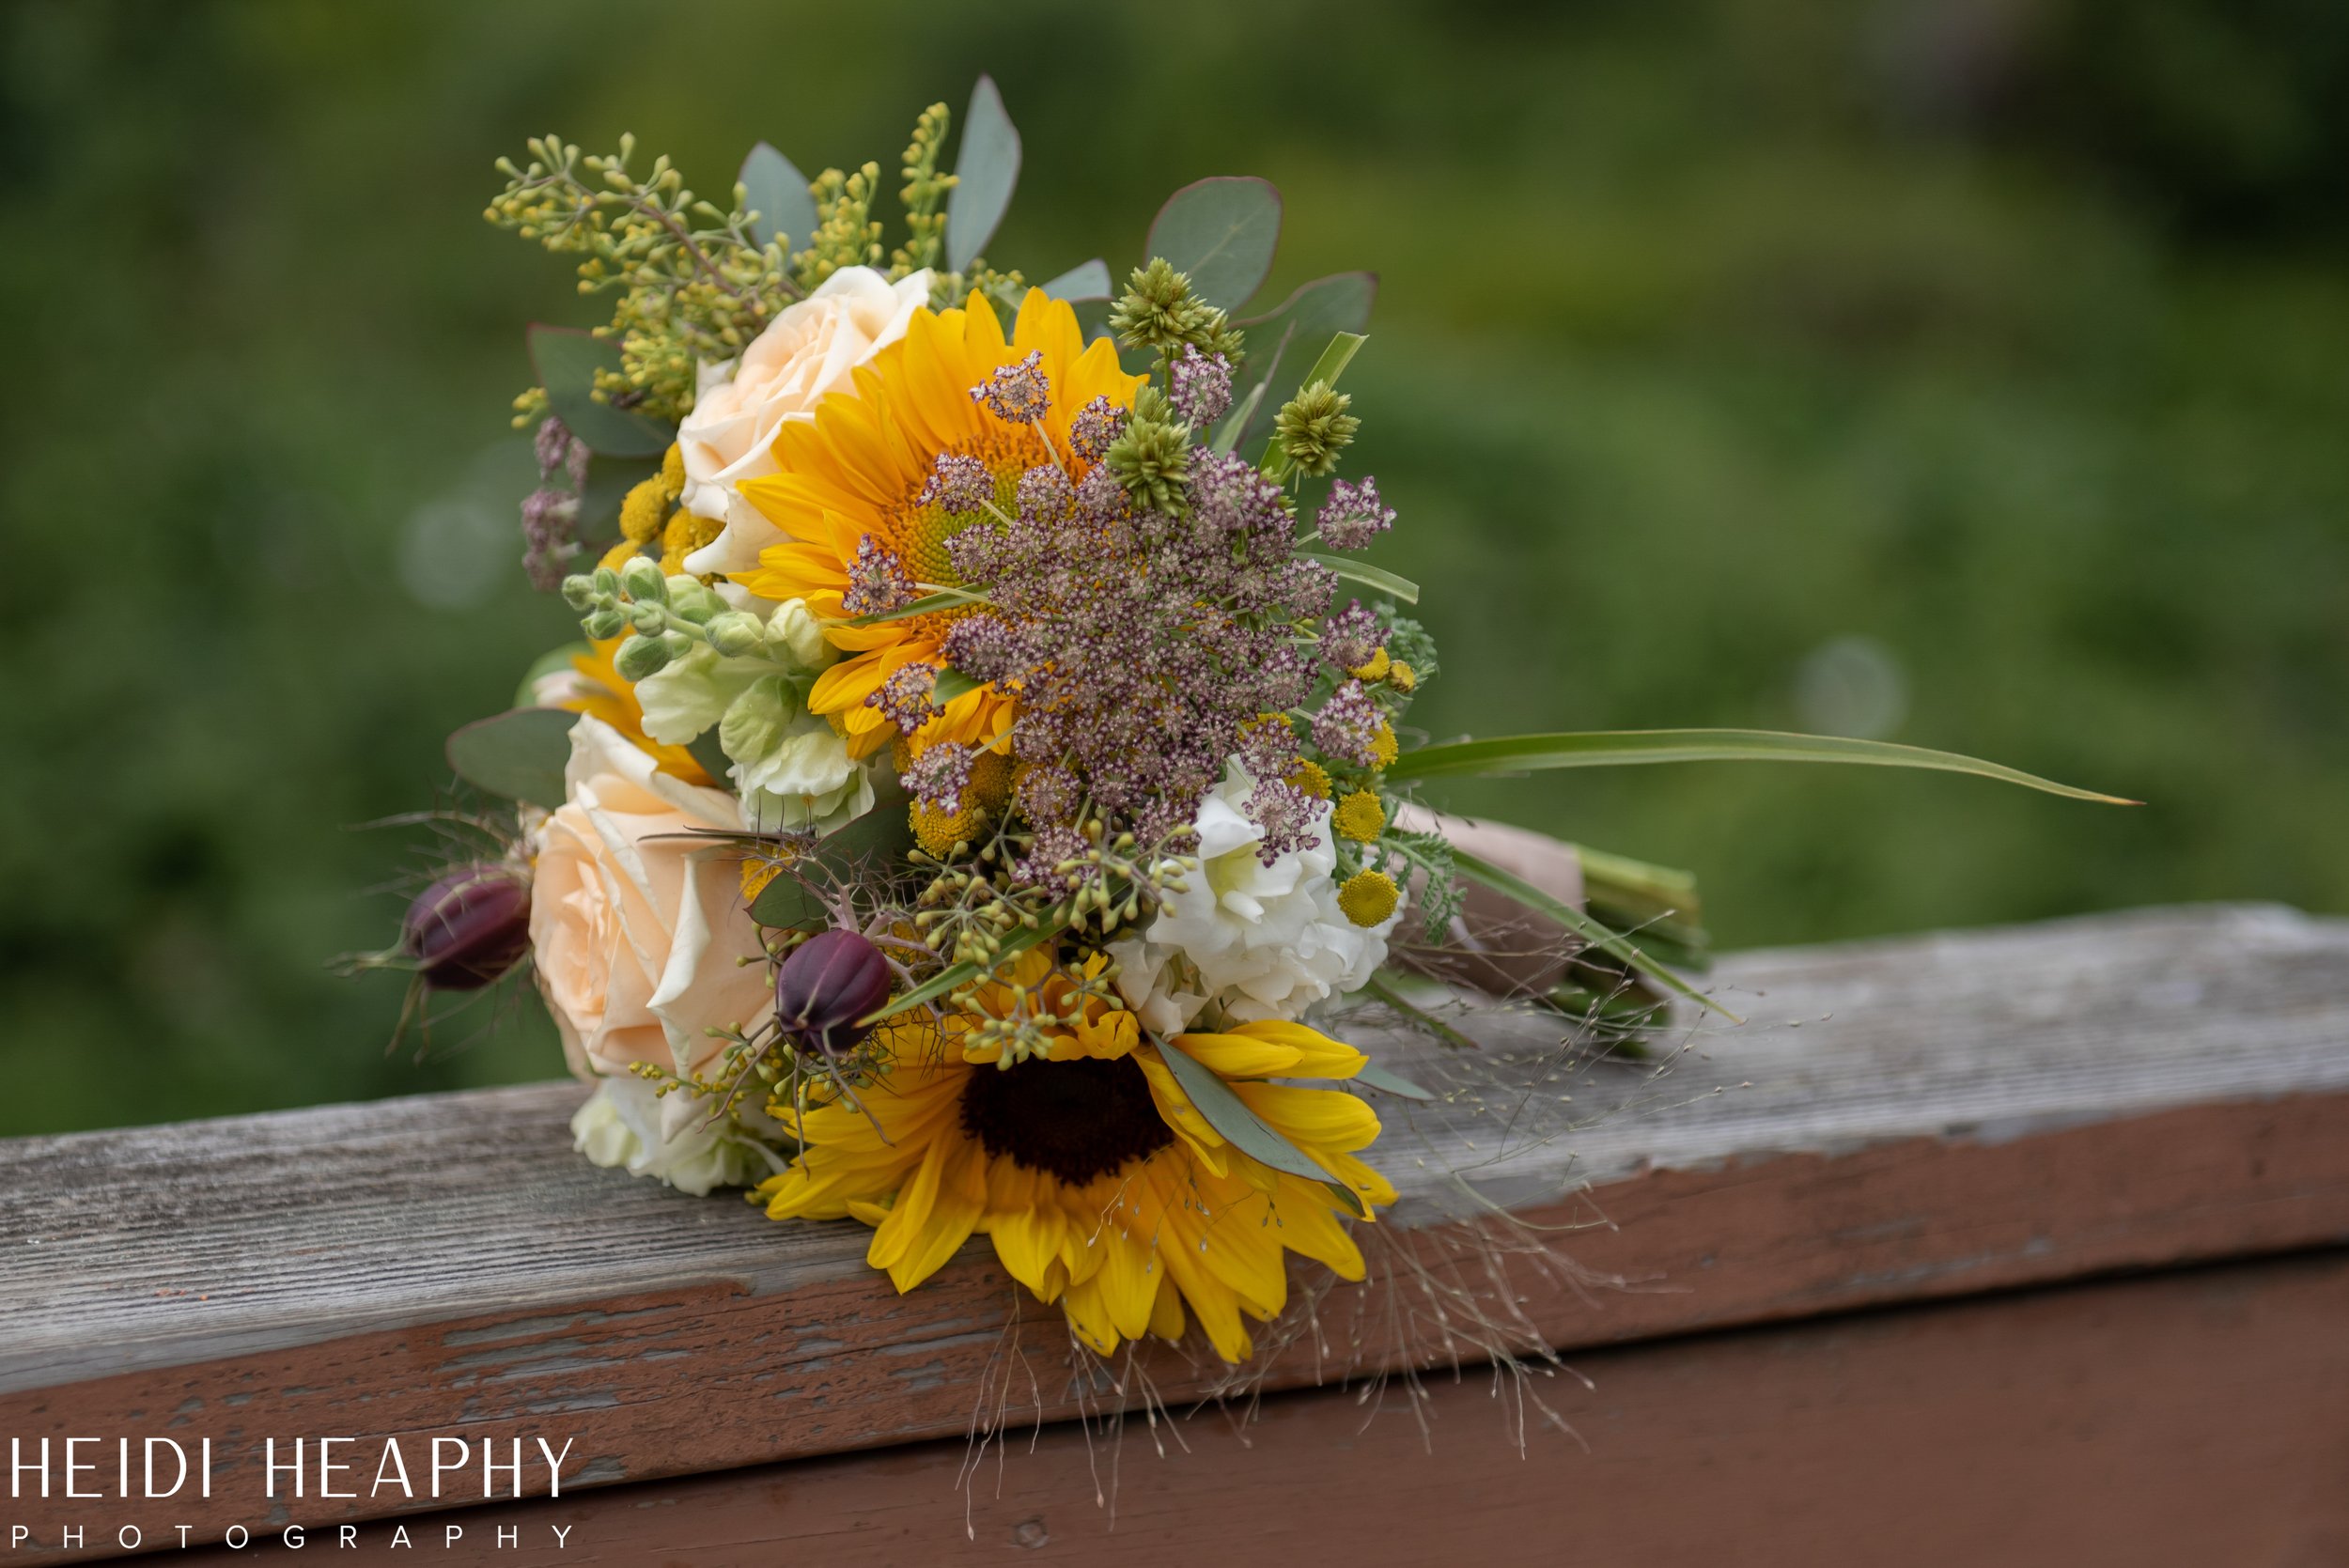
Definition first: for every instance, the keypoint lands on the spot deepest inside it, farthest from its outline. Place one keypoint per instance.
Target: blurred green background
(1969, 374)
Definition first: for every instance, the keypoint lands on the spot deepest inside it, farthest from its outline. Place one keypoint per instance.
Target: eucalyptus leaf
(519, 754)
(1391, 1083)
(774, 188)
(1242, 1128)
(787, 901)
(552, 661)
(1221, 231)
(1526, 753)
(1087, 280)
(1369, 576)
(567, 361)
(1306, 321)
(1488, 874)
(985, 170)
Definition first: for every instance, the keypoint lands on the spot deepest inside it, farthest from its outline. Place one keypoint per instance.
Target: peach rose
(806, 353)
(634, 926)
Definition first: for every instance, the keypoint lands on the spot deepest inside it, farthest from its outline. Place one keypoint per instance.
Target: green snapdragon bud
(735, 634)
(579, 591)
(603, 625)
(607, 583)
(691, 602)
(650, 619)
(642, 578)
(640, 657)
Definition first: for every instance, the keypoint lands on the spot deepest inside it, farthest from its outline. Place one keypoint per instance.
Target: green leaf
(1391, 1083)
(787, 901)
(1525, 753)
(1329, 367)
(950, 684)
(566, 361)
(1221, 231)
(774, 188)
(518, 754)
(1574, 920)
(553, 661)
(1087, 280)
(1369, 576)
(1242, 1127)
(985, 170)
(1306, 322)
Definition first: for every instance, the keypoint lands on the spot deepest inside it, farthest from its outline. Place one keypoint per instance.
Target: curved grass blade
(1612, 943)
(1369, 576)
(1528, 753)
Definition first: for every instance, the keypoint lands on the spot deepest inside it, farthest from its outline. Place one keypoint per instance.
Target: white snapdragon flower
(791, 767)
(1259, 942)
(677, 1137)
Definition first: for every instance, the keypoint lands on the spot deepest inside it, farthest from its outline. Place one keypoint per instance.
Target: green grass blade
(1369, 576)
(1582, 925)
(1526, 753)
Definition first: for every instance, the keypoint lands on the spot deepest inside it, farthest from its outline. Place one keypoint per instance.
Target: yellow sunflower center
(1074, 1120)
(919, 533)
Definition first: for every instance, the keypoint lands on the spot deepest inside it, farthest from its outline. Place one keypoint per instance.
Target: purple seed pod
(827, 984)
(469, 928)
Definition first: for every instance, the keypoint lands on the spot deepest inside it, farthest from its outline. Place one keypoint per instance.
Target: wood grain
(1896, 1121)
(2088, 1424)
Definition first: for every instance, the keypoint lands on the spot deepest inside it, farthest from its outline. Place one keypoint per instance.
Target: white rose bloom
(805, 354)
(1261, 941)
(675, 1137)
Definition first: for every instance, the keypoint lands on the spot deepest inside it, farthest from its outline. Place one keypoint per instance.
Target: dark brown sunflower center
(1074, 1120)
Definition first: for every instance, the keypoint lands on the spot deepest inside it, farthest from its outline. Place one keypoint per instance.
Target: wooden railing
(2030, 1238)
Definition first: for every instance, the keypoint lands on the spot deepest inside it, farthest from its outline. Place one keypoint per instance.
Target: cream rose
(635, 926)
(805, 353)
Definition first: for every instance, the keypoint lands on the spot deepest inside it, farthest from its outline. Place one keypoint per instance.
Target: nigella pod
(827, 984)
(469, 928)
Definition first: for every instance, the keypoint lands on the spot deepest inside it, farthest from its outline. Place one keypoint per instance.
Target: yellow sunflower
(1100, 1184)
(859, 467)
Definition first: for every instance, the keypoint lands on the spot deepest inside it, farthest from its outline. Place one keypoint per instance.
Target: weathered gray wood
(168, 1246)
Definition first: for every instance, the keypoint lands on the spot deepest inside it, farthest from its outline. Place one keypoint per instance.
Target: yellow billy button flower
(642, 511)
(1368, 897)
(1374, 668)
(1402, 677)
(685, 533)
(1361, 818)
(1384, 749)
(1311, 778)
(672, 473)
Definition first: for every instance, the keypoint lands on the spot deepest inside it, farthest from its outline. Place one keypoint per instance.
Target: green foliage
(687, 293)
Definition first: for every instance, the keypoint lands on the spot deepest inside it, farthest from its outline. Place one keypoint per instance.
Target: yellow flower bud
(1375, 668)
(1402, 677)
(673, 473)
(1311, 778)
(1384, 749)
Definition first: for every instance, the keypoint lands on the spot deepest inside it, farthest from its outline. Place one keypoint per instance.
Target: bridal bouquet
(987, 763)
